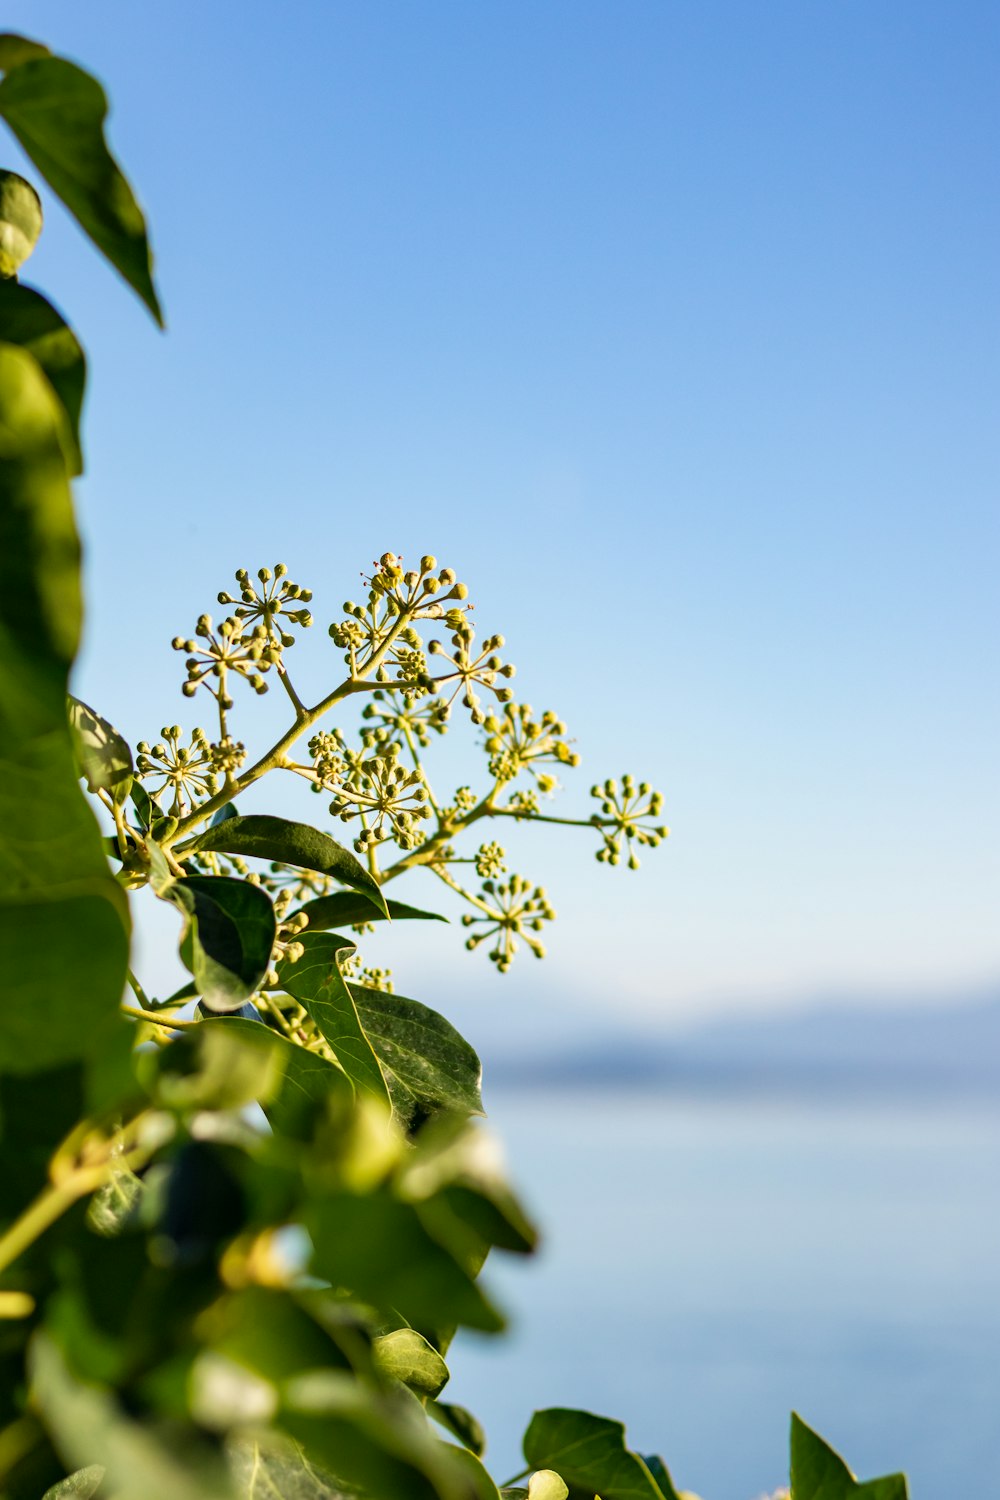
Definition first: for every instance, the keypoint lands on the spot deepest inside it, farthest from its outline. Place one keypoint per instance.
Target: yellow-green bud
(20, 221)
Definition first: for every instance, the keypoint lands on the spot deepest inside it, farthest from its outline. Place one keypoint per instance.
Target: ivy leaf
(32, 323)
(818, 1473)
(407, 1356)
(228, 937)
(57, 111)
(79, 1486)
(455, 1174)
(278, 1469)
(103, 756)
(545, 1485)
(316, 981)
(427, 1064)
(590, 1454)
(61, 911)
(344, 910)
(262, 837)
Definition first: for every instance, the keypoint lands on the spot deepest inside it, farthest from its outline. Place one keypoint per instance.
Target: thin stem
(139, 992)
(143, 1015)
(442, 874)
(296, 701)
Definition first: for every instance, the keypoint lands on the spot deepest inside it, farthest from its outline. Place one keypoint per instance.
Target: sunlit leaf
(303, 1082)
(427, 1064)
(460, 1423)
(31, 322)
(316, 981)
(819, 1473)
(589, 1453)
(57, 111)
(278, 1469)
(278, 839)
(104, 757)
(407, 1356)
(79, 1486)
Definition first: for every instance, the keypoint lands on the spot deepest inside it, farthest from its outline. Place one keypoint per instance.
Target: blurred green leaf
(278, 839)
(228, 936)
(589, 1453)
(456, 1174)
(818, 1473)
(277, 1469)
(32, 323)
(316, 981)
(303, 1083)
(61, 913)
(57, 111)
(380, 1249)
(222, 1064)
(428, 1065)
(79, 1486)
(89, 1427)
(460, 1423)
(103, 756)
(407, 1356)
(342, 909)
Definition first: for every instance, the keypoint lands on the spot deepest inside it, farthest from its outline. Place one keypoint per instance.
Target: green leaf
(32, 323)
(590, 1454)
(278, 1470)
(302, 1086)
(316, 981)
(380, 1249)
(79, 1486)
(375, 1442)
(818, 1473)
(63, 918)
(88, 1427)
(407, 1356)
(261, 837)
(428, 1065)
(344, 910)
(228, 937)
(460, 1423)
(455, 1173)
(15, 50)
(103, 756)
(57, 111)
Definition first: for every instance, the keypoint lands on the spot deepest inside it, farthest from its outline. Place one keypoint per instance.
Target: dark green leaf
(262, 837)
(79, 1486)
(316, 981)
(818, 1473)
(103, 756)
(460, 1423)
(57, 112)
(590, 1454)
(456, 1175)
(427, 1064)
(407, 1356)
(31, 322)
(229, 935)
(63, 918)
(345, 910)
(15, 50)
(219, 1064)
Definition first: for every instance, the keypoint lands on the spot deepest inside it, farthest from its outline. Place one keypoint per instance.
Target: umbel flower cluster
(412, 669)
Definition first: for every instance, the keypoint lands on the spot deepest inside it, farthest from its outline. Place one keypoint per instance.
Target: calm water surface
(707, 1267)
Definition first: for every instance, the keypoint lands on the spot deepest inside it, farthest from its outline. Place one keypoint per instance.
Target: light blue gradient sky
(674, 328)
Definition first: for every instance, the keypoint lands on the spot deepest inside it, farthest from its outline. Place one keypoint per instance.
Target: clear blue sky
(673, 326)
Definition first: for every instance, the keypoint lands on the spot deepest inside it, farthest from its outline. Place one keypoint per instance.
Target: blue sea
(708, 1266)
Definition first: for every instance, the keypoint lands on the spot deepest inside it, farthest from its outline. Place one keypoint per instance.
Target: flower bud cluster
(389, 800)
(469, 671)
(397, 597)
(247, 653)
(395, 717)
(355, 971)
(628, 811)
(517, 742)
(188, 772)
(510, 910)
(277, 595)
(490, 860)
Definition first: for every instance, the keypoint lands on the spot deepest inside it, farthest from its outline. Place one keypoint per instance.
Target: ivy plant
(241, 1223)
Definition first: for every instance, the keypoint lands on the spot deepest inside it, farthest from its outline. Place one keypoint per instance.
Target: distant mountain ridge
(845, 1048)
